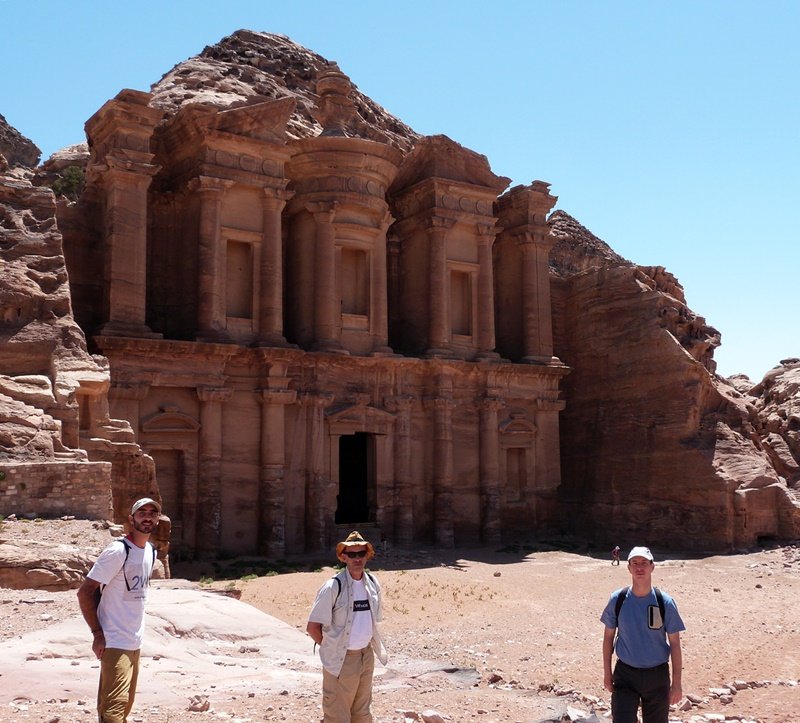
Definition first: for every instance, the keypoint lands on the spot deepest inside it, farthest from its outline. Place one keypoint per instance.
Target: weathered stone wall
(54, 489)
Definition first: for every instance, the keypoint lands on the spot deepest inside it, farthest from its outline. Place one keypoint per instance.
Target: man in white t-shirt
(112, 599)
(343, 622)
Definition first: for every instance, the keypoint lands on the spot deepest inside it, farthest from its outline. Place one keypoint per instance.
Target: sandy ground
(474, 635)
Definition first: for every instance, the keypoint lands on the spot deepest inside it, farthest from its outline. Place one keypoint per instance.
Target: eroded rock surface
(250, 66)
(16, 148)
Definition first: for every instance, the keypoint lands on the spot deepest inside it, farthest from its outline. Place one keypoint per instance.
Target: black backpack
(624, 593)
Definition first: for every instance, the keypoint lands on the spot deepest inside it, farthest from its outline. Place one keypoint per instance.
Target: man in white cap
(112, 599)
(343, 622)
(647, 627)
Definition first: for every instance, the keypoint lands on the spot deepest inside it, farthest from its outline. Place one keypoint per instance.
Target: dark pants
(648, 686)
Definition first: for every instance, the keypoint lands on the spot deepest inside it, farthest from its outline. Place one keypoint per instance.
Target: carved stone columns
(211, 322)
(379, 306)
(536, 307)
(270, 320)
(209, 486)
(442, 470)
(327, 305)
(320, 489)
(490, 470)
(439, 301)
(125, 185)
(486, 338)
(271, 502)
(403, 497)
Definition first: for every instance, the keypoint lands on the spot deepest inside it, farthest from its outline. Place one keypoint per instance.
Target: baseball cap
(640, 552)
(145, 501)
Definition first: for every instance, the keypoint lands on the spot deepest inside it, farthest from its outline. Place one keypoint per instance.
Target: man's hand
(99, 644)
(608, 682)
(675, 693)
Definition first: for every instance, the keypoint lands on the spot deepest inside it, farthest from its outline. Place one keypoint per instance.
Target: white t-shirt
(361, 629)
(121, 609)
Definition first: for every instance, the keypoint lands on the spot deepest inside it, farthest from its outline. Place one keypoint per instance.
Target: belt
(633, 667)
(358, 650)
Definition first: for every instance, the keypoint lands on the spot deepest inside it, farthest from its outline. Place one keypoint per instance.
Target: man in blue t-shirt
(644, 644)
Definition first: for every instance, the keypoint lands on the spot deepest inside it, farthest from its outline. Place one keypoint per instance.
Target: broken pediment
(442, 158)
(261, 121)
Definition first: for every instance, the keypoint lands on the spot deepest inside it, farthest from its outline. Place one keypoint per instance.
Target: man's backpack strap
(620, 599)
(624, 593)
(339, 584)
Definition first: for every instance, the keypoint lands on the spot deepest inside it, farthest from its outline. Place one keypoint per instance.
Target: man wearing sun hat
(112, 599)
(343, 622)
(643, 626)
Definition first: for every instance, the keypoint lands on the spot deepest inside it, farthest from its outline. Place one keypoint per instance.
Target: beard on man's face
(144, 526)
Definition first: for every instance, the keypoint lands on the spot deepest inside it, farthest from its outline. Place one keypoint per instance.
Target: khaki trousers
(119, 671)
(347, 699)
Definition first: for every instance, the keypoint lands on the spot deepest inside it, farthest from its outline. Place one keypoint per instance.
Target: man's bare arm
(315, 631)
(676, 656)
(608, 649)
(86, 599)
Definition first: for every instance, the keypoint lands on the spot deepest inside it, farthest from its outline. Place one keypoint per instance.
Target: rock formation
(59, 450)
(254, 243)
(251, 67)
(16, 149)
(654, 445)
(777, 418)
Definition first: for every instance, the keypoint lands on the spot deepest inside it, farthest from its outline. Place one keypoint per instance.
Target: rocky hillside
(248, 66)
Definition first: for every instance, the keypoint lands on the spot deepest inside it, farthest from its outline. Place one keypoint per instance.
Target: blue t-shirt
(637, 643)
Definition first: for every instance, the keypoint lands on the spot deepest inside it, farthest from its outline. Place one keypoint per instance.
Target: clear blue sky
(669, 129)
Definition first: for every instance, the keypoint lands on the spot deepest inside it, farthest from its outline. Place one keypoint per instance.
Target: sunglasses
(360, 553)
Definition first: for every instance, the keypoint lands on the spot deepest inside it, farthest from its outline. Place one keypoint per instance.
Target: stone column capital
(439, 225)
(399, 403)
(322, 211)
(209, 184)
(277, 396)
(531, 238)
(439, 404)
(214, 394)
(492, 404)
(275, 199)
(486, 233)
(132, 171)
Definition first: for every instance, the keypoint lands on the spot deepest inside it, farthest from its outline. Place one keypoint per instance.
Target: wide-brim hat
(354, 539)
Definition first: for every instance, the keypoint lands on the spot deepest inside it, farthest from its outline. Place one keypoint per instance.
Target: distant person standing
(615, 555)
(343, 622)
(647, 627)
(112, 599)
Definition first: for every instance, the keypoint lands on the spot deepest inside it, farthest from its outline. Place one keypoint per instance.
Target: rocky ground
(475, 635)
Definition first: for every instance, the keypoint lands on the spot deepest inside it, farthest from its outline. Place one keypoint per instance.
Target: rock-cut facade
(310, 335)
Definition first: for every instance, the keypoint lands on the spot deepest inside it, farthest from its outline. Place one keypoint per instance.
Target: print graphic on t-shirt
(136, 585)
(360, 605)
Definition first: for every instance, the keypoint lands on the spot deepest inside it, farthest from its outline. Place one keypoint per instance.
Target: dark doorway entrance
(356, 479)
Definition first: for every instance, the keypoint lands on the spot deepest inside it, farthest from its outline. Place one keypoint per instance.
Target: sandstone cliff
(59, 451)
(653, 443)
